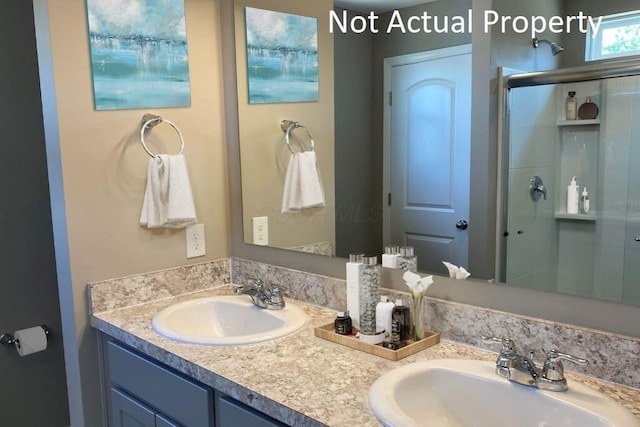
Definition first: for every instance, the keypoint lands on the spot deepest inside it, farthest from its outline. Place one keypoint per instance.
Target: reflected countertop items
(284, 373)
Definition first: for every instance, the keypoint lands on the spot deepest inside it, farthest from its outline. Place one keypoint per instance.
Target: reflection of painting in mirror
(282, 57)
(138, 54)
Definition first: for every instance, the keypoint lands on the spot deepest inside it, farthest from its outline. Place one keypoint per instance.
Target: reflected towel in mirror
(168, 201)
(302, 186)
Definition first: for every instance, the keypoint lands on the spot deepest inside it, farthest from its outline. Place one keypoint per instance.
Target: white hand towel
(302, 186)
(168, 201)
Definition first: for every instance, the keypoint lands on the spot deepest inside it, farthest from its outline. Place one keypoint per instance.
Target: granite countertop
(298, 379)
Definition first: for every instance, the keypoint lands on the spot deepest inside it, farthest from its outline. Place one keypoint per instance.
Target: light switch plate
(195, 241)
(261, 230)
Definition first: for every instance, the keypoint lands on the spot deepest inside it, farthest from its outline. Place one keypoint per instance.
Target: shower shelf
(575, 217)
(579, 122)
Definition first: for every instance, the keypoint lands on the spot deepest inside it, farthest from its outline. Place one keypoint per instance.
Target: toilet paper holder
(7, 339)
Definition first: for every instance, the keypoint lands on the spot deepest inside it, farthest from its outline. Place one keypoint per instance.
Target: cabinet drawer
(231, 413)
(182, 400)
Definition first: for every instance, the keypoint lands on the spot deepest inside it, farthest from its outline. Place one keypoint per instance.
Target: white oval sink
(226, 320)
(461, 393)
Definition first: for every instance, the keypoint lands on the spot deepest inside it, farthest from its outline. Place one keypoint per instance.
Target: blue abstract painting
(138, 54)
(282, 57)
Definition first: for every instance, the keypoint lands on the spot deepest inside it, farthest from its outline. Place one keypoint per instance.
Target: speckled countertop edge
(299, 379)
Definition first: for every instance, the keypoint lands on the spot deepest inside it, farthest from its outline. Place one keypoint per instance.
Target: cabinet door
(164, 422)
(128, 412)
(180, 398)
(231, 413)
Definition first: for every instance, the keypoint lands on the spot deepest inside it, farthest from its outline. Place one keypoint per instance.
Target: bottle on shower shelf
(572, 106)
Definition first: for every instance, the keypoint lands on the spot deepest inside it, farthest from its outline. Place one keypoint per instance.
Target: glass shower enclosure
(544, 243)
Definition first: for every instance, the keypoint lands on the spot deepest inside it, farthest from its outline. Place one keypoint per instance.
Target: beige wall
(265, 156)
(104, 169)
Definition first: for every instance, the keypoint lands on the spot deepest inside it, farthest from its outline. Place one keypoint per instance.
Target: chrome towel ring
(289, 125)
(151, 120)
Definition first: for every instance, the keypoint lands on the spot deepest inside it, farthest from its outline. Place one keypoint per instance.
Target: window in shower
(619, 36)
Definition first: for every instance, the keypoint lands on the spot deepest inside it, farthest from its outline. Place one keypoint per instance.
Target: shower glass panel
(547, 247)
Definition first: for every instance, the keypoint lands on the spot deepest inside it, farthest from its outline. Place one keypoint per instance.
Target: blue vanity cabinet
(142, 392)
(145, 393)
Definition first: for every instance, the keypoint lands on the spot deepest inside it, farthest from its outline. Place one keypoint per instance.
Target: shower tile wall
(578, 154)
(616, 268)
(533, 135)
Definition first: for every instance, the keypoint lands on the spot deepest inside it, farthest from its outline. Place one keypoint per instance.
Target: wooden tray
(327, 332)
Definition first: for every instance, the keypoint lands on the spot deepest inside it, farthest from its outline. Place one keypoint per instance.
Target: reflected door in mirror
(430, 118)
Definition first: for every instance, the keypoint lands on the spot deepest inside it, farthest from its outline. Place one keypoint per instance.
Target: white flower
(417, 284)
(462, 273)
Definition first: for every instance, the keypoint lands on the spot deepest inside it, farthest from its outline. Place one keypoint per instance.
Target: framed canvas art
(282, 57)
(138, 54)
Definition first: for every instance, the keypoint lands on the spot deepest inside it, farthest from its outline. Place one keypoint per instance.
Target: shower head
(555, 47)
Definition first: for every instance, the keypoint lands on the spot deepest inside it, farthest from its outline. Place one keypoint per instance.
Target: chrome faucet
(523, 370)
(270, 298)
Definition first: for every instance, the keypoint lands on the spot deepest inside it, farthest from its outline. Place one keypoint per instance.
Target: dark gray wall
(515, 50)
(356, 217)
(33, 388)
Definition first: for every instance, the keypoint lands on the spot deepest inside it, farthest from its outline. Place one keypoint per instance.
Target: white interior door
(427, 155)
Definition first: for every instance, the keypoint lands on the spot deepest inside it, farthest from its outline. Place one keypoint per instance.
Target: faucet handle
(258, 283)
(554, 369)
(508, 346)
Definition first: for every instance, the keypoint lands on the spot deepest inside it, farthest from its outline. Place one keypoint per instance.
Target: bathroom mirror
(352, 174)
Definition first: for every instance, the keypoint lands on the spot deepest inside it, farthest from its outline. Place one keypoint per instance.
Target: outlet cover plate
(195, 240)
(261, 230)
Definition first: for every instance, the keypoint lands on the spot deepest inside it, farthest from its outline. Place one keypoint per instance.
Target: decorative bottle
(588, 110)
(369, 294)
(401, 318)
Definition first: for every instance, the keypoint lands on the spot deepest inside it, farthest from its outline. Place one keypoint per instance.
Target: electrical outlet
(261, 230)
(195, 240)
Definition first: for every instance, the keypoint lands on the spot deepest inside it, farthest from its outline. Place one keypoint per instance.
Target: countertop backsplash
(612, 357)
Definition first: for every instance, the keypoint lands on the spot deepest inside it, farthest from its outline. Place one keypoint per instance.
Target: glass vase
(416, 308)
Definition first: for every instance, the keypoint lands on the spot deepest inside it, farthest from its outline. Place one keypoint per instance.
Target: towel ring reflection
(287, 126)
(151, 120)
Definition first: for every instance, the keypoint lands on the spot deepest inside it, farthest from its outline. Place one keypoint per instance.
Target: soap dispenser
(573, 196)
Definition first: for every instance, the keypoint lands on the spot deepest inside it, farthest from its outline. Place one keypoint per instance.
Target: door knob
(462, 224)
(637, 239)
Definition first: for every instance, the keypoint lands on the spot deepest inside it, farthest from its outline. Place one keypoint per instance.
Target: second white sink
(226, 320)
(449, 392)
